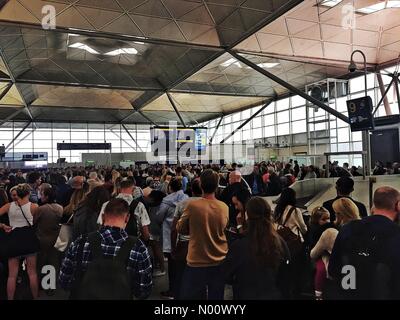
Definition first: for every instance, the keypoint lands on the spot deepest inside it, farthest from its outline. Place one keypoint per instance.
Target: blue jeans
(201, 283)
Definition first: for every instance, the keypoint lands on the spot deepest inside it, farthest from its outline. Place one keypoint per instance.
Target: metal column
(19, 133)
(383, 93)
(383, 96)
(215, 131)
(137, 146)
(176, 109)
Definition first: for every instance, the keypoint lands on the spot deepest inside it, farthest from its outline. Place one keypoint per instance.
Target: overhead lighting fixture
(373, 8)
(230, 62)
(268, 65)
(82, 46)
(393, 4)
(73, 35)
(330, 3)
(122, 51)
(379, 6)
(137, 42)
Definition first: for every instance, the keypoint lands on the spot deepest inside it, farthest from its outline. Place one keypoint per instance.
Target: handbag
(22, 241)
(293, 240)
(65, 236)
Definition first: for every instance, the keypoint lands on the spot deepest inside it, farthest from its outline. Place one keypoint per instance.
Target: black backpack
(106, 278)
(374, 272)
(132, 225)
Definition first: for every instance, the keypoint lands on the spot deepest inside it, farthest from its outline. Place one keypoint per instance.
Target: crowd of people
(209, 223)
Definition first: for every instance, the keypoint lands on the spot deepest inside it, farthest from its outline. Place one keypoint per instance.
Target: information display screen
(360, 114)
(186, 142)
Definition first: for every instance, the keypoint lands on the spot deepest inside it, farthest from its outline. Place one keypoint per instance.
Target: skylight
(122, 51)
(82, 46)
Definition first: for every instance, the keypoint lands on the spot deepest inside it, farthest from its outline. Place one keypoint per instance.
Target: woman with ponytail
(256, 264)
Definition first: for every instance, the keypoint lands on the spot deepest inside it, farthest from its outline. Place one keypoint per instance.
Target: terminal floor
(160, 284)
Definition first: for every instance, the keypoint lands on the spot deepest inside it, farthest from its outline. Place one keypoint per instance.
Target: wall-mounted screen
(184, 142)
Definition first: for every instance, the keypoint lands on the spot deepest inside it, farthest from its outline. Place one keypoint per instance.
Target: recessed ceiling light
(137, 42)
(122, 51)
(393, 4)
(268, 65)
(231, 61)
(379, 6)
(330, 3)
(82, 46)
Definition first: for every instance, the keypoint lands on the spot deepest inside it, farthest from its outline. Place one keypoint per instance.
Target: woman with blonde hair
(117, 187)
(346, 211)
(77, 197)
(21, 214)
(115, 174)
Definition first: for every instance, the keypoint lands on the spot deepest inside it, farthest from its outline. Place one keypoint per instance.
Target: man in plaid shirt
(113, 236)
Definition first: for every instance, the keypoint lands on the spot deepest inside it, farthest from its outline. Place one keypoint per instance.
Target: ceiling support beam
(6, 89)
(396, 85)
(80, 85)
(119, 137)
(113, 36)
(215, 131)
(133, 139)
(19, 133)
(11, 116)
(147, 118)
(289, 86)
(176, 109)
(225, 48)
(384, 95)
(13, 80)
(247, 121)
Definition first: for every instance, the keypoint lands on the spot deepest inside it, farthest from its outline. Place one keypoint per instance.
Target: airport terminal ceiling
(136, 61)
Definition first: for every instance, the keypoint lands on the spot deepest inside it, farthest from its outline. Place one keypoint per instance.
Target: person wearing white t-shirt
(142, 217)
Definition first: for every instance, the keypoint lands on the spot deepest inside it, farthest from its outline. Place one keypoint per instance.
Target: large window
(44, 138)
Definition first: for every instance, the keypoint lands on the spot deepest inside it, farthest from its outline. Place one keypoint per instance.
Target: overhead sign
(360, 114)
(83, 146)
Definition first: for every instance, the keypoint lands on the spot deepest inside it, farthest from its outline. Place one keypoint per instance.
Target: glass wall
(285, 121)
(43, 137)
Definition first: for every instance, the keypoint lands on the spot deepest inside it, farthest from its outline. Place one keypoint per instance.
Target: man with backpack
(108, 264)
(139, 222)
(365, 260)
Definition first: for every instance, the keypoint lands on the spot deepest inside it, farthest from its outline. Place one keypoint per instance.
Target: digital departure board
(188, 141)
(360, 114)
